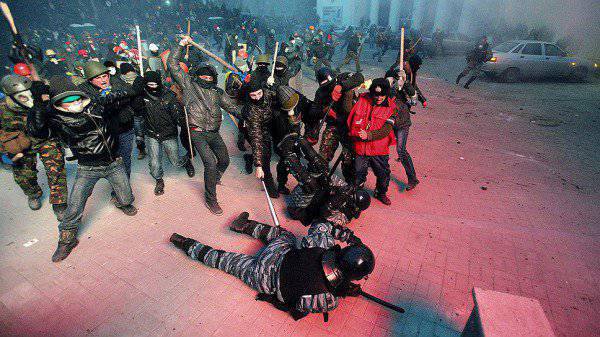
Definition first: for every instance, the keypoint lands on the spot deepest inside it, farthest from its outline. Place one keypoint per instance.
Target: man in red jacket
(371, 123)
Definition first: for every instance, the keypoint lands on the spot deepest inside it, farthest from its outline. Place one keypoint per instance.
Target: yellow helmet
(50, 53)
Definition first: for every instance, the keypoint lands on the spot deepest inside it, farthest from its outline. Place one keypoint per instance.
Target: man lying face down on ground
(300, 276)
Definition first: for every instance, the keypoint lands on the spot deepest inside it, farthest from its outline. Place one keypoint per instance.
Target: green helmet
(263, 58)
(281, 60)
(93, 69)
(12, 84)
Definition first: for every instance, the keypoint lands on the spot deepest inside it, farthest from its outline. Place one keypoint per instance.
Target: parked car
(523, 59)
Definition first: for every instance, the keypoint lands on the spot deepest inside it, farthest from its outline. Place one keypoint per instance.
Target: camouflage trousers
(51, 156)
(349, 57)
(332, 138)
(260, 271)
(321, 62)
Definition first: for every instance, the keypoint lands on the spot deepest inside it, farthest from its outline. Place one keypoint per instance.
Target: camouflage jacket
(14, 118)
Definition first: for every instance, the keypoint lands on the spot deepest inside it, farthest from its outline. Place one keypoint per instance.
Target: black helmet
(379, 87)
(362, 199)
(356, 261)
(324, 76)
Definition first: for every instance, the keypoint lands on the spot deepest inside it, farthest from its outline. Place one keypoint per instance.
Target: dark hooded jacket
(160, 109)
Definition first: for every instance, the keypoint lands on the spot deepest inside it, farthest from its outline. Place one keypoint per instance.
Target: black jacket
(121, 113)
(204, 103)
(87, 133)
(161, 114)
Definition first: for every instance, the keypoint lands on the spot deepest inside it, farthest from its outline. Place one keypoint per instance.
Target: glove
(270, 81)
(348, 289)
(354, 240)
(336, 94)
(311, 186)
(353, 290)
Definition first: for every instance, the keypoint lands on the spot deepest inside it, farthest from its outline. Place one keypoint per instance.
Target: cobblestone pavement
(503, 204)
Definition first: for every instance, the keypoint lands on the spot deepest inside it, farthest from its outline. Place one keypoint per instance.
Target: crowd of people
(90, 97)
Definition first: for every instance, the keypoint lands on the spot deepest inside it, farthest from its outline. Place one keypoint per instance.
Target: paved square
(532, 232)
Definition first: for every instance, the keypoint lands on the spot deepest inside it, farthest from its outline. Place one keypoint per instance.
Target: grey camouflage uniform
(261, 272)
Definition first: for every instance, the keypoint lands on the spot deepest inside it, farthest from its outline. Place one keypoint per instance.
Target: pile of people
(95, 106)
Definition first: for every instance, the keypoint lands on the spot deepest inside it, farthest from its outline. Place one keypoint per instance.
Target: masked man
(161, 113)
(344, 96)
(475, 60)
(405, 98)
(19, 102)
(204, 101)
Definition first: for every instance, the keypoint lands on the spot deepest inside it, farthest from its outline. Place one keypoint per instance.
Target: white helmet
(153, 47)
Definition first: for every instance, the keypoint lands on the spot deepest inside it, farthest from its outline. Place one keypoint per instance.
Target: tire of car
(579, 74)
(511, 75)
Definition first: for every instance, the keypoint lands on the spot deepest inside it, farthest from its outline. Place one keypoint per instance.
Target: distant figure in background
(475, 60)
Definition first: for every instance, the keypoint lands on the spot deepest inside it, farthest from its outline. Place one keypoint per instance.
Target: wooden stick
(214, 57)
(402, 48)
(274, 58)
(189, 132)
(187, 50)
(139, 45)
(7, 14)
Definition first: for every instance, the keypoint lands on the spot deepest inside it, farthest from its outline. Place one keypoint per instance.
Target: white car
(524, 59)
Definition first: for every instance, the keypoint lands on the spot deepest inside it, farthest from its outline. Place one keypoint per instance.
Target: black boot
(248, 165)
(239, 224)
(213, 207)
(181, 242)
(189, 168)
(159, 189)
(129, 210)
(469, 82)
(59, 210)
(271, 189)
(412, 183)
(459, 77)
(282, 189)
(66, 242)
(141, 151)
(241, 142)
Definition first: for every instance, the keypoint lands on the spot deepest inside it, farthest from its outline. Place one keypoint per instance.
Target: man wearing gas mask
(406, 97)
(297, 275)
(161, 113)
(18, 103)
(204, 101)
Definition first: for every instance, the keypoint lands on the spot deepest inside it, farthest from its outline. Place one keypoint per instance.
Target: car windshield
(505, 47)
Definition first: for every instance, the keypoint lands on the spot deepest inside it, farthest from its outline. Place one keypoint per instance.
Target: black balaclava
(153, 76)
(206, 70)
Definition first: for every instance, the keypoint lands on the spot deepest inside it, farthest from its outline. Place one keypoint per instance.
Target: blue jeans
(381, 168)
(155, 151)
(125, 148)
(85, 180)
(403, 155)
